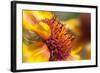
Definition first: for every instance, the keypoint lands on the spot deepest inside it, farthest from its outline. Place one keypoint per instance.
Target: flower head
(54, 42)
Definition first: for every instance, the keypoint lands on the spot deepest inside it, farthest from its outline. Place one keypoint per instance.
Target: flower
(47, 38)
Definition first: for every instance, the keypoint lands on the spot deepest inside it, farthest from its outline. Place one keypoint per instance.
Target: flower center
(60, 41)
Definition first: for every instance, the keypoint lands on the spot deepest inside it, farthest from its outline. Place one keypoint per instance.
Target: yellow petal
(73, 57)
(29, 23)
(35, 53)
(43, 30)
(75, 54)
(76, 50)
(42, 15)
